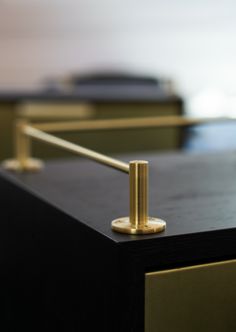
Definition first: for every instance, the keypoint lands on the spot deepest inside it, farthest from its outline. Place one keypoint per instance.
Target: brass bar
(38, 134)
(138, 193)
(141, 122)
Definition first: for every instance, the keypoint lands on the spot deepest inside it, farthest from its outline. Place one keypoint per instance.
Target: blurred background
(93, 59)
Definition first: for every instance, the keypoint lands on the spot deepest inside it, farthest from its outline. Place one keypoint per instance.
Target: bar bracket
(138, 222)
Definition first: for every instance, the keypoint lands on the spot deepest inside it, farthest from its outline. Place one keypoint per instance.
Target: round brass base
(123, 225)
(30, 165)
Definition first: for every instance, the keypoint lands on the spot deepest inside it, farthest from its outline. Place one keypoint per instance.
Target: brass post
(138, 178)
(22, 161)
(138, 222)
(22, 144)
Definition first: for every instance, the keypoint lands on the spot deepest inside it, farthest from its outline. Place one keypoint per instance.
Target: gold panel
(199, 298)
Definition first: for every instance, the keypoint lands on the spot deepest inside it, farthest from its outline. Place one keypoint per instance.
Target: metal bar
(38, 134)
(142, 122)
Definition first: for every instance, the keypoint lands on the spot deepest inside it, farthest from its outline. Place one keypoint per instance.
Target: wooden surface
(193, 193)
(58, 274)
(61, 257)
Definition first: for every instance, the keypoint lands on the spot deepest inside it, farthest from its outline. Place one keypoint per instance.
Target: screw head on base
(123, 225)
(30, 165)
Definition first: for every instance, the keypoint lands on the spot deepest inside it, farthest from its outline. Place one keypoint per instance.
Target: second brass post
(22, 144)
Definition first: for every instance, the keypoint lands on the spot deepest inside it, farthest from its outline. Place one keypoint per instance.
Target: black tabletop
(193, 193)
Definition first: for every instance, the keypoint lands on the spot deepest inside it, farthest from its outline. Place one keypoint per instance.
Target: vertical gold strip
(22, 144)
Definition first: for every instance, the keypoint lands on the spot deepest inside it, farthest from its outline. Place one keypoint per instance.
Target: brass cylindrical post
(138, 177)
(138, 222)
(23, 160)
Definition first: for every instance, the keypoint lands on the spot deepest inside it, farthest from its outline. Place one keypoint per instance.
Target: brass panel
(198, 298)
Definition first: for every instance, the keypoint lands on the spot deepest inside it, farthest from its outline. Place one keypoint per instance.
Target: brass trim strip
(141, 122)
(102, 159)
(191, 267)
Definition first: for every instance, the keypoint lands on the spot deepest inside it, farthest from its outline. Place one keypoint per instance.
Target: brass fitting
(23, 160)
(138, 222)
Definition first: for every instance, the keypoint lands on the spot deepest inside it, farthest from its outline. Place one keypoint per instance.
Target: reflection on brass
(138, 222)
(153, 225)
(141, 122)
(192, 299)
(30, 165)
(138, 177)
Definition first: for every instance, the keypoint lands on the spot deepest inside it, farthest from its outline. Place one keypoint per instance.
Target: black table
(64, 269)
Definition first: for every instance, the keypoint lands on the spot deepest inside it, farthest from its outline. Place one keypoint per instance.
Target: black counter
(65, 269)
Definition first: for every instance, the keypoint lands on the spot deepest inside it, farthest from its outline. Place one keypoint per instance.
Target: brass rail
(138, 222)
(102, 159)
(141, 122)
